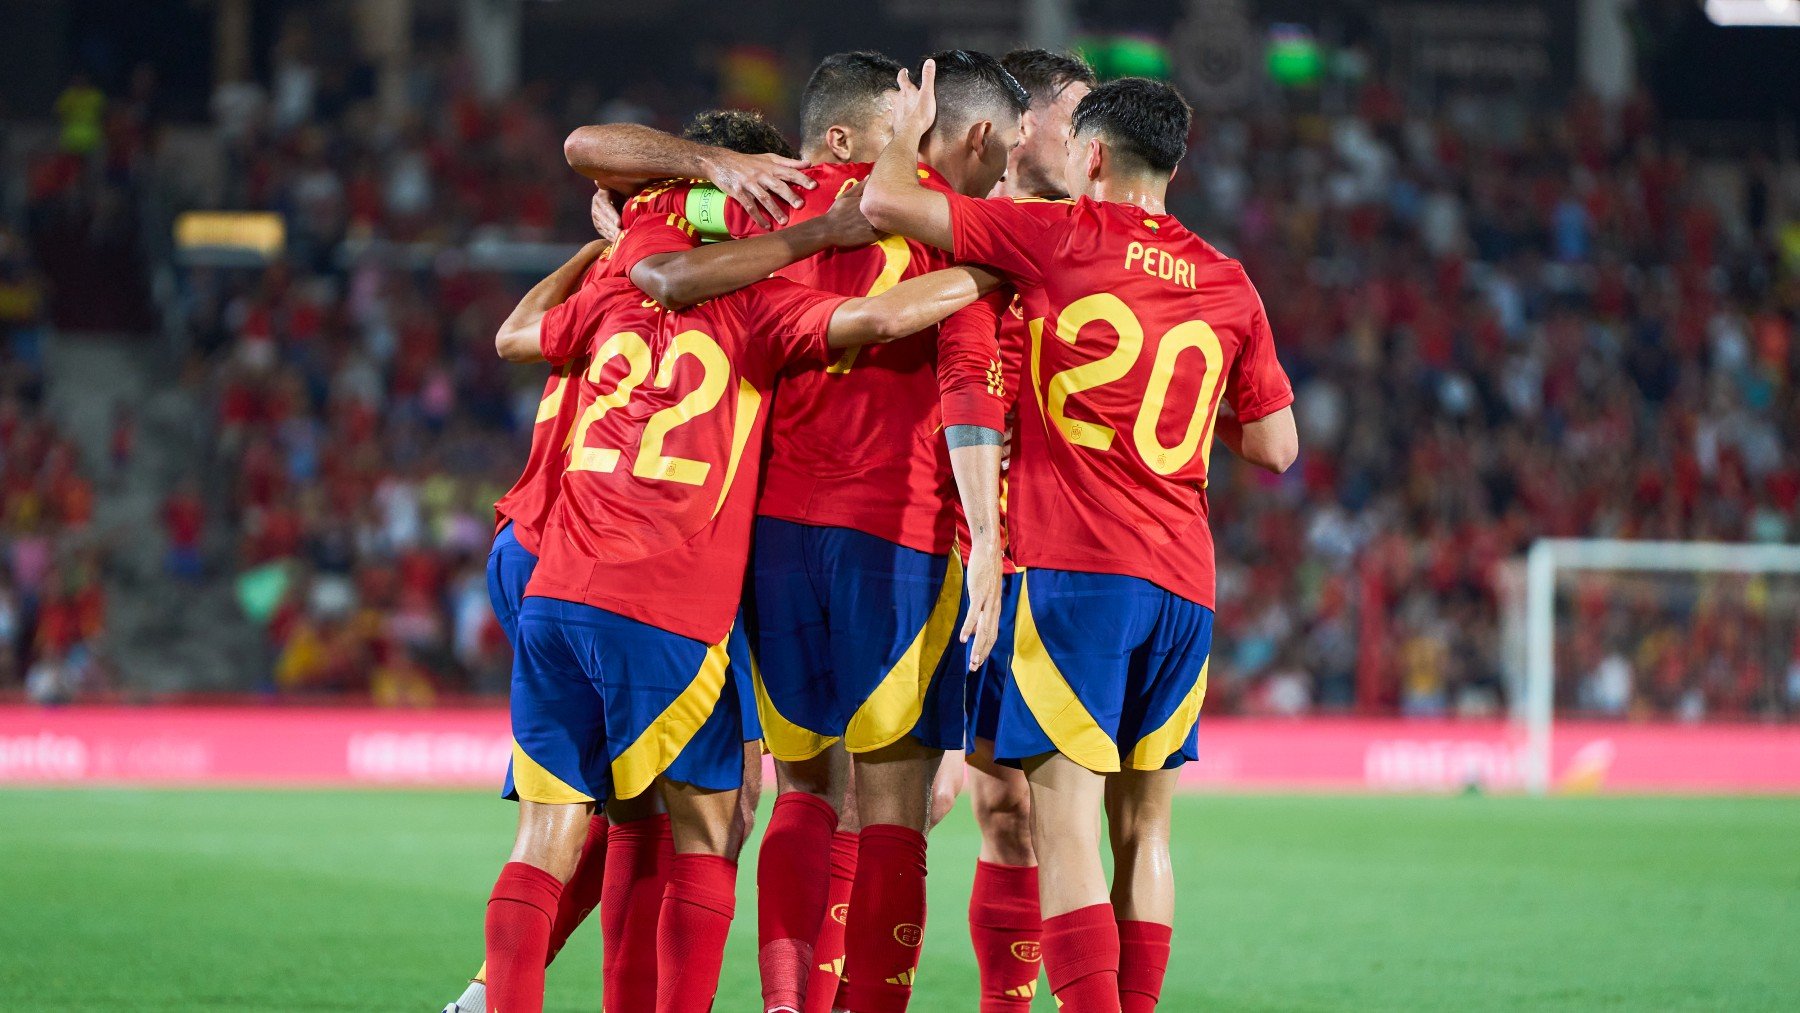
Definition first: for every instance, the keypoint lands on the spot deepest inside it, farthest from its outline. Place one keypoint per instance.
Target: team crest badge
(908, 934)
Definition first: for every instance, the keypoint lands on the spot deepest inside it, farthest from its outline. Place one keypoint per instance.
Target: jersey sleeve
(1258, 387)
(649, 236)
(791, 320)
(568, 328)
(971, 384)
(717, 216)
(1005, 235)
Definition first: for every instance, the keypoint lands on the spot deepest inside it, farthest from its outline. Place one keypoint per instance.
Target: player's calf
(701, 898)
(887, 904)
(1004, 922)
(522, 908)
(1138, 808)
(1081, 938)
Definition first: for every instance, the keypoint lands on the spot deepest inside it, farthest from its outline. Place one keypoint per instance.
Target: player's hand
(766, 185)
(845, 222)
(915, 108)
(604, 214)
(982, 580)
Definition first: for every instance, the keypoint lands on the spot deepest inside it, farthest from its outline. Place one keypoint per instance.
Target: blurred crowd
(52, 600)
(1504, 327)
(1501, 325)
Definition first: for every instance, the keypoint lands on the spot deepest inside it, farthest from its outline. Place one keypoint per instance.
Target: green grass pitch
(165, 900)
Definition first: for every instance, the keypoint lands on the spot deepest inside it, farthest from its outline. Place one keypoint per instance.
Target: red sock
(1081, 955)
(638, 856)
(519, 913)
(791, 885)
(581, 894)
(828, 949)
(690, 938)
(1143, 959)
(1006, 930)
(887, 919)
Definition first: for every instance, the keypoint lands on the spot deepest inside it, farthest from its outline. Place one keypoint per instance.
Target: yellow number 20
(1104, 307)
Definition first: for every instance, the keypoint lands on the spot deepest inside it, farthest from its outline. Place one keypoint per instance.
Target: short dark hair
(739, 130)
(840, 85)
(1044, 74)
(1143, 119)
(973, 86)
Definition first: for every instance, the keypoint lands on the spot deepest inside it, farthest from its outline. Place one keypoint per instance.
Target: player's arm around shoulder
(681, 279)
(908, 307)
(625, 157)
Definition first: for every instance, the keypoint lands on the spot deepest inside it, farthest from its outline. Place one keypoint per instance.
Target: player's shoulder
(662, 196)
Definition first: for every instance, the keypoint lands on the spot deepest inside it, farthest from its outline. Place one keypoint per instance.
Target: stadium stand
(1499, 330)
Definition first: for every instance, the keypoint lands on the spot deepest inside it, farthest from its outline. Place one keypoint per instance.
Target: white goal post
(1547, 557)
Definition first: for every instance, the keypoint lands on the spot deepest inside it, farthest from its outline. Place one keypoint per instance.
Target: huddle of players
(738, 528)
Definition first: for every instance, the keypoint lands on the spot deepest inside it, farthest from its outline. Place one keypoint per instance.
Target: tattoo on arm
(971, 436)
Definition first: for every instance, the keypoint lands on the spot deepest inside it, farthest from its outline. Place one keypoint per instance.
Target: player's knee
(1138, 828)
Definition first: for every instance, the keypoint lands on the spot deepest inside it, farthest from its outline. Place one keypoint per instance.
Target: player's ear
(979, 131)
(1096, 157)
(837, 141)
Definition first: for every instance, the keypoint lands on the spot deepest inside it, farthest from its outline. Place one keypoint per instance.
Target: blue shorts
(851, 637)
(1108, 670)
(603, 705)
(508, 571)
(987, 684)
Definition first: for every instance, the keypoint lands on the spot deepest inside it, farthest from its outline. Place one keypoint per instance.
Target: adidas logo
(904, 977)
(834, 966)
(1025, 991)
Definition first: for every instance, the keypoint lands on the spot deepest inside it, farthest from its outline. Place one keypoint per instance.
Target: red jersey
(527, 504)
(1137, 328)
(858, 443)
(654, 520)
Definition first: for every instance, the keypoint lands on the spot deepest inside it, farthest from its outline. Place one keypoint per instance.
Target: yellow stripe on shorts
(535, 784)
(1155, 748)
(638, 767)
(893, 709)
(786, 740)
(1052, 701)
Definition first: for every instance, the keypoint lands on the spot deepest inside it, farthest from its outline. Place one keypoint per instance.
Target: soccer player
(675, 276)
(854, 593)
(1138, 330)
(620, 680)
(1004, 925)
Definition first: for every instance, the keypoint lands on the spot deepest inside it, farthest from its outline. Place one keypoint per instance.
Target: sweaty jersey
(1136, 329)
(528, 503)
(858, 442)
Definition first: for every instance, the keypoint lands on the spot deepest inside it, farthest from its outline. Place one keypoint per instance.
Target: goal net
(1655, 630)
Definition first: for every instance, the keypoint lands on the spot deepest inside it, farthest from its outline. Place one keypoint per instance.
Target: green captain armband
(706, 206)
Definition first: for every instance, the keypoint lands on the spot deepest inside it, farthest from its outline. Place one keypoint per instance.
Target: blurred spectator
(184, 521)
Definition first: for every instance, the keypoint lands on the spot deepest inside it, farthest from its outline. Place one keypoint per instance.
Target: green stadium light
(1126, 55)
(1295, 60)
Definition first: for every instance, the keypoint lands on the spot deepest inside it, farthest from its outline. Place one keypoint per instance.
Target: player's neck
(1139, 192)
(822, 155)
